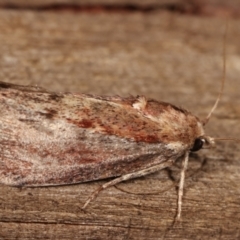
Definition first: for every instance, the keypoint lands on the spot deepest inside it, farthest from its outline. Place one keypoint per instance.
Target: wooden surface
(169, 57)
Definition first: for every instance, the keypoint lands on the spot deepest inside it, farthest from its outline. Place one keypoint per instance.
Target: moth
(49, 138)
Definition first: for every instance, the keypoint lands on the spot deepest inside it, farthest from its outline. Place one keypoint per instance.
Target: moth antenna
(205, 121)
(227, 139)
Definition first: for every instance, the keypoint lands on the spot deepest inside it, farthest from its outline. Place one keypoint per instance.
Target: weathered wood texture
(169, 57)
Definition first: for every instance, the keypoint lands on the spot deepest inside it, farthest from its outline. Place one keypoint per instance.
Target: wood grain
(165, 56)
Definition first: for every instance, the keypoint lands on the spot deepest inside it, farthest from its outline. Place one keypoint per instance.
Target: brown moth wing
(54, 139)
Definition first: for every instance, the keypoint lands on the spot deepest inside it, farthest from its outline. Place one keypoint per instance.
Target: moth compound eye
(197, 144)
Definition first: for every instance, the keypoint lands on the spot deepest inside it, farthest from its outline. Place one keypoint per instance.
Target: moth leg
(126, 177)
(181, 185)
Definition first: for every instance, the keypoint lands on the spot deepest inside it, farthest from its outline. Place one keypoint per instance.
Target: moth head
(203, 141)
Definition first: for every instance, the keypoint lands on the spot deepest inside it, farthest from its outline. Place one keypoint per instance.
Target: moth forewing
(62, 138)
(55, 139)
